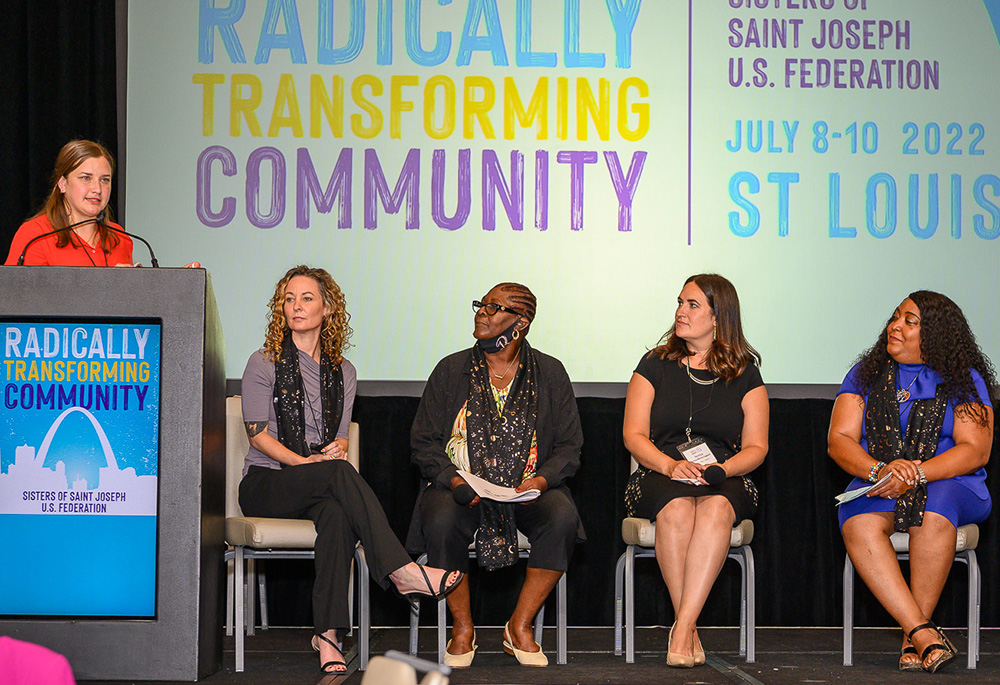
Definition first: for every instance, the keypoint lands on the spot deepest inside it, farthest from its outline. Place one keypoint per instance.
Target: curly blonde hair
(336, 333)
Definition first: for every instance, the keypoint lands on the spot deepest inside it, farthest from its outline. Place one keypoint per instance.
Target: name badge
(697, 451)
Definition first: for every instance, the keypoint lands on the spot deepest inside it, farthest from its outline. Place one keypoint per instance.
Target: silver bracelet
(922, 479)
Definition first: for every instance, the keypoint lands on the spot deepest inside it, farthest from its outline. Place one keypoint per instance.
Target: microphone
(20, 260)
(714, 475)
(463, 494)
(152, 257)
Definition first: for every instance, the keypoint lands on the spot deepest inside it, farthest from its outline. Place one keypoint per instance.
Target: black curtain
(797, 546)
(58, 80)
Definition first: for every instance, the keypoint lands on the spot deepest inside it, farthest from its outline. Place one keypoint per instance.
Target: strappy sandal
(333, 663)
(909, 664)
(444, 588)
(946, 648)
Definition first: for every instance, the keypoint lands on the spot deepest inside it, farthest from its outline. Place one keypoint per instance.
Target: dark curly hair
(730, 353)
(947, 346)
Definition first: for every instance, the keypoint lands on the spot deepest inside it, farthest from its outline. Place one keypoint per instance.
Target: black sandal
(444, 588)
(333, 663)
(946, 648)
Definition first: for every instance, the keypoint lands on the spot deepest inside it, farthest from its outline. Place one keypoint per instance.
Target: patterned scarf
(289, 396)
(886, 442)
(499, 445)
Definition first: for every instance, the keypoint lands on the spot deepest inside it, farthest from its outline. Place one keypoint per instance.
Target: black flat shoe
(444, 588)
(332, 664)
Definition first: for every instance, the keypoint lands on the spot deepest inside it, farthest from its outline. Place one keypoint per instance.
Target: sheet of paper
(497, 493)
(851, 495)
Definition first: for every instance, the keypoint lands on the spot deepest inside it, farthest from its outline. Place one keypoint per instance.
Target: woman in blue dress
(915, 410)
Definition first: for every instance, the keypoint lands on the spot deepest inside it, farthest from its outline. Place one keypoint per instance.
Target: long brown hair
(336, 332)
(730, 353)
(73, 154)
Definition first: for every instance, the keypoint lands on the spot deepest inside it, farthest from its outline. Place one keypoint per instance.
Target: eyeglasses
(492, 308)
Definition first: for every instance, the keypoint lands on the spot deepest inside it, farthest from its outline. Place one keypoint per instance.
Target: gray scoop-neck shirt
(258, 401)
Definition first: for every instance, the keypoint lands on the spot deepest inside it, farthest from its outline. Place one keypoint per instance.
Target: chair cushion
(968, 538)
(264, 533)
(638, 531)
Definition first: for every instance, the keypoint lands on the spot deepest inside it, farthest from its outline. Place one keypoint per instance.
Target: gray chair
(254, 539)
(639, 534)
(965, 552)
(523, 549)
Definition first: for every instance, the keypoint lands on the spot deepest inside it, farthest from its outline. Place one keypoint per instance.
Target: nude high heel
(677, 660)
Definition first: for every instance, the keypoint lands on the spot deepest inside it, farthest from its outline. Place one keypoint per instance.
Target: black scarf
(499, 445)
(886, 442)
(289, 396)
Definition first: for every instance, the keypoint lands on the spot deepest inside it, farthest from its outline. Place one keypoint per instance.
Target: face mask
(491, 345)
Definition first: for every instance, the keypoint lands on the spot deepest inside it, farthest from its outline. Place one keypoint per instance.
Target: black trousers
(550, 522)
(334, 496)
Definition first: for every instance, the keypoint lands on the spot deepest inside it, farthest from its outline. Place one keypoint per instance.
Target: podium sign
(112, 469)
(79, 460)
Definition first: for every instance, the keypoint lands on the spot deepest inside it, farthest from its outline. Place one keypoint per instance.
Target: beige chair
(254, 538)
(523, 550)
(396, 668)
(640, 535)
(965, 552)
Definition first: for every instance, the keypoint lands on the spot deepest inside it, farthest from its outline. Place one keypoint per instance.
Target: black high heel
(946, 648)
(333, 663)
(444, 588)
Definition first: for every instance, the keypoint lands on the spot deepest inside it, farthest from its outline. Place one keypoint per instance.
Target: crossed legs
(692, 541)
(932, 550)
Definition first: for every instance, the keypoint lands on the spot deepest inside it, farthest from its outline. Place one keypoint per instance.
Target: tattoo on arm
(255, 428)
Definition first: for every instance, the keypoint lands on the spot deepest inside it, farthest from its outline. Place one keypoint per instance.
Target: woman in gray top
(298, 392)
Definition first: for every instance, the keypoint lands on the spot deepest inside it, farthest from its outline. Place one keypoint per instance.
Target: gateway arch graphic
(119, 491)
(109, 453)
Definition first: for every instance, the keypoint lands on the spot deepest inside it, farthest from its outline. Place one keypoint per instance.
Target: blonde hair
(336, 332)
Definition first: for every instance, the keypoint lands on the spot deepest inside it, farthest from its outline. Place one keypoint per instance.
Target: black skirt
(648, 492)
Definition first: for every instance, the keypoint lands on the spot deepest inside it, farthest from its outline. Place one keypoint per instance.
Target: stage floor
(281, 656)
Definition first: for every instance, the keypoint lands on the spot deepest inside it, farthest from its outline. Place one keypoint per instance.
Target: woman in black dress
(699, 390)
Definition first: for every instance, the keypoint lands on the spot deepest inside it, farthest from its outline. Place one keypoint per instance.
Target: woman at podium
(72, 228)
(298, 393)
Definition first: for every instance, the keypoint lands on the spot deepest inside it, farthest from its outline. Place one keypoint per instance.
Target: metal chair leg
(848, 612)
(240, 627)
(561, 621)
(630, 604)
(262, 593)
(364, 608)
(251, 583)
(230, 591)
(750, 577)
(619, 583)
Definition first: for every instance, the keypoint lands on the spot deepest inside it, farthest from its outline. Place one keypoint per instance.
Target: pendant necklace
(691, 410)
(904, 394)
(500, 376)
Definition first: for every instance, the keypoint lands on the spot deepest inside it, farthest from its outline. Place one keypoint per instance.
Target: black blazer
(558, 432)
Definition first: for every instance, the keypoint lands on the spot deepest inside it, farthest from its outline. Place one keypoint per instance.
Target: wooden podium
(183, 641)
